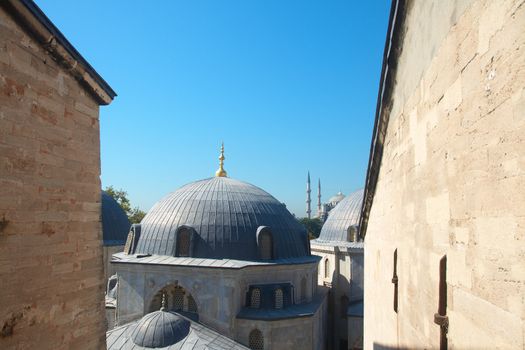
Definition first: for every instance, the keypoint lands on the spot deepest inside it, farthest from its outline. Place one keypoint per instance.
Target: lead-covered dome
(225, 218)
(342, 218)
(115, 223)
(160, 329)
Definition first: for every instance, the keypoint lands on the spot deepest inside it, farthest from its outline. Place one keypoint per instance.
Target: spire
(221, 172)
(308, 200)
(319, 198)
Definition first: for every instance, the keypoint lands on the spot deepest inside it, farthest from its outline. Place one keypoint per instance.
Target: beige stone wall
(51, 272)
(345, 278)
(452, 181)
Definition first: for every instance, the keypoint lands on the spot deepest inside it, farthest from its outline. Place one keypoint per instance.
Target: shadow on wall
(388, 347)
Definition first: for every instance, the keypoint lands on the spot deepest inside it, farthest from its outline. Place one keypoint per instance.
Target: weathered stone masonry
(450, 180)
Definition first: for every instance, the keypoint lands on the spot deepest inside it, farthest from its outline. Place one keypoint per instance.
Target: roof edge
(33, 19)
(393, 48)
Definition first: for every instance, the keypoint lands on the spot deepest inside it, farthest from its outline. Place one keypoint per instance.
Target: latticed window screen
(256, 341)
(178, 299)
(255, 298)
(265, 245)
(279, 298)
(183, 242)
(303, 289)
(192, 305)
(326, 268)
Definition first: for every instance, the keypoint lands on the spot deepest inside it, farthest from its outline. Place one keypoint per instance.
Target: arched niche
(177, 299)
(265, 245)
(184, 241)
(132, 240)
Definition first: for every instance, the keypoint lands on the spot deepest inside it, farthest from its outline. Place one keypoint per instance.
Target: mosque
(225, 254)
(323, 209)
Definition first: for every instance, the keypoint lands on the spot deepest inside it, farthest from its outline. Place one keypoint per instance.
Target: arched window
(351, 234)
(132, 240)
(326, 268)
(176, 298)
(279, 298)
(344, 306)
(255, 298)
(128, 248)
(265, 243)
(303, 289)
(183, 242)
(256, 341)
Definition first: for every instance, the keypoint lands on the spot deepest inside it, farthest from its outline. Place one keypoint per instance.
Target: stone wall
(345, 278)
(52, 289)
(452, 181)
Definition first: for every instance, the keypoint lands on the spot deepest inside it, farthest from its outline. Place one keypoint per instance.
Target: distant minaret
(319, 198)
(308, 200)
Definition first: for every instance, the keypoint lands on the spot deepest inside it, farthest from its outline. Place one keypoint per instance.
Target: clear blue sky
(290, 86)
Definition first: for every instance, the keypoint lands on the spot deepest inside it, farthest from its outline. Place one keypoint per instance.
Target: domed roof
(115, 223)
(225, 215)
(337, 198)
(344, 215)
(160, 329)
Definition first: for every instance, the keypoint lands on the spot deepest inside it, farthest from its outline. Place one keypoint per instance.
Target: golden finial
(221, 172)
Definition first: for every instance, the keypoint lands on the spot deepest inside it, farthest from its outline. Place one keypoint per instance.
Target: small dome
(160, 329)
(337, 198)
(225, 215)
(342, 217)
(115, 223)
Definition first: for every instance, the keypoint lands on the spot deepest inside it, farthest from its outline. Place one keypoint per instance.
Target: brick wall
(452, 181)
(51, 269)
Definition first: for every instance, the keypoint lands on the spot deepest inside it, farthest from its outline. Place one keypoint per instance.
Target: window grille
(178, 299)
(279, 298)
(192, 305)
(183, 242)
(255, 298)
(256, 341)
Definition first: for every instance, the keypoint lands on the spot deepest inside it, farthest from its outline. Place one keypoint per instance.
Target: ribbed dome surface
(160, 329)
(344, 215)
(225, 214)
(115, 223)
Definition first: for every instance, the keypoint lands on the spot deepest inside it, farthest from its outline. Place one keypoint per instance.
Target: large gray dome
(344, 215)
(225, 215)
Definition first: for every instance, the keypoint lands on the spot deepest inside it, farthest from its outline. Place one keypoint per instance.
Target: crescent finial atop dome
(221, 172)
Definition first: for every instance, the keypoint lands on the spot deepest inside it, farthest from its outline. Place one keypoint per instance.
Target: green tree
(313, 226)
(135, 215)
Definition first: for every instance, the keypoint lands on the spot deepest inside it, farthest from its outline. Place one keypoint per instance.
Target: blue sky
(289, 86)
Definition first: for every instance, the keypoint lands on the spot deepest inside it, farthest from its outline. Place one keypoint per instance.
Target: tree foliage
(135, 215)
(313, 226)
